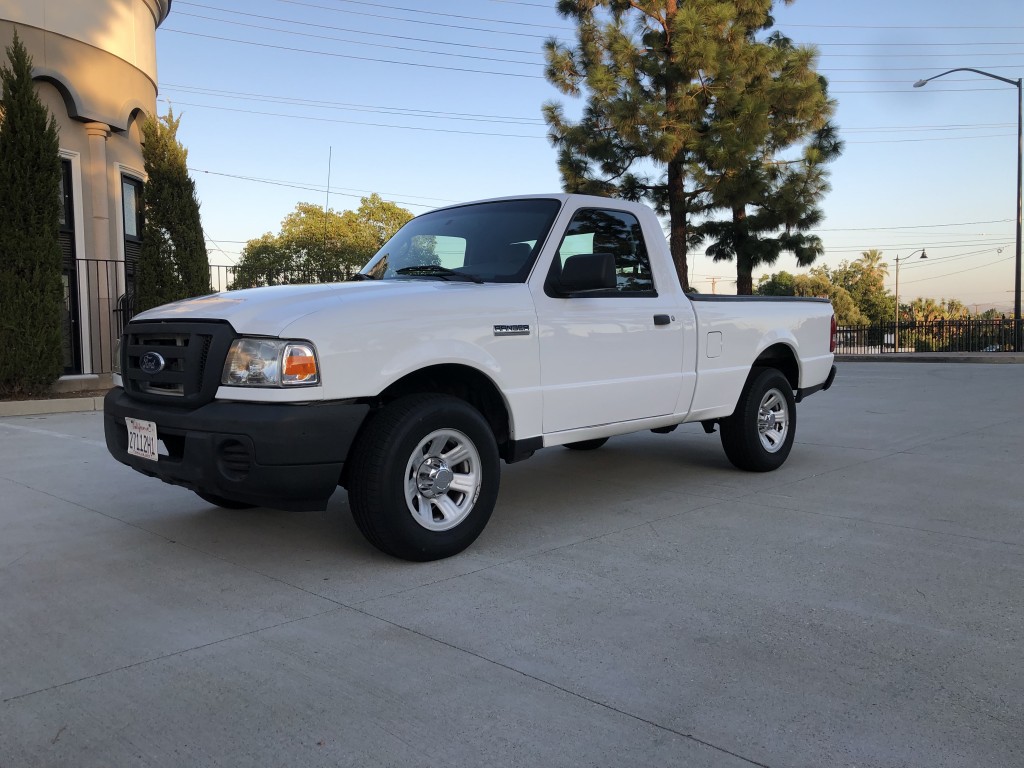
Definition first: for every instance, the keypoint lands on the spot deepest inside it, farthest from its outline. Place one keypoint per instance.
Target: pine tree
(173, 264)
(771, 104)
(31, 289)
(688, 106)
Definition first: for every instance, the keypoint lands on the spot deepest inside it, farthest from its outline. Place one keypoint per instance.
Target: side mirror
(587, 272)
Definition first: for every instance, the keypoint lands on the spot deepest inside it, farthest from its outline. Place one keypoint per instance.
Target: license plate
(141, 438)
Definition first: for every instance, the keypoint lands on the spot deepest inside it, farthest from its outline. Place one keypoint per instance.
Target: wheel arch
(781, 357)
(457, 380)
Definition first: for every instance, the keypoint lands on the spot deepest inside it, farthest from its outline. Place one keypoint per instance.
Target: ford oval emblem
(152, 362)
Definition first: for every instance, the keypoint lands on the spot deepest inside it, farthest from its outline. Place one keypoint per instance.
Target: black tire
(220, 501)
(759, 435)
(587, 445)
(447, 507)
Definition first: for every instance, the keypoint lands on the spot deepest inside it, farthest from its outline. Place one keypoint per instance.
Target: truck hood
(269, 311)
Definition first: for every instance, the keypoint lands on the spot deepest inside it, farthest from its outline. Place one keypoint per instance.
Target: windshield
(491, 242)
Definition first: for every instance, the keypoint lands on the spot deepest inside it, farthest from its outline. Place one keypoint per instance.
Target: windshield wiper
(436, 270)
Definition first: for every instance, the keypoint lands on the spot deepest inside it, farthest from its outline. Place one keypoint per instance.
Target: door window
(594, 230)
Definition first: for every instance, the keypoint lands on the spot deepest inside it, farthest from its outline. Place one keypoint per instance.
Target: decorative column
(98, 291)
(96, 178)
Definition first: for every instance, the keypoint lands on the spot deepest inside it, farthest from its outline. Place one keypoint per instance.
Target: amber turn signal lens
(300, 366)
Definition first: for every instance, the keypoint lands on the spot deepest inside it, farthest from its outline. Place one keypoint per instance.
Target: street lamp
(896, 337)
(1020, 153)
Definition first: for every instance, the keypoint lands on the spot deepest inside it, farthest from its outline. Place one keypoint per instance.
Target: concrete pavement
(640, 605)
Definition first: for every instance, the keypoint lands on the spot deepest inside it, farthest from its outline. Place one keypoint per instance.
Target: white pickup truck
(479, 332)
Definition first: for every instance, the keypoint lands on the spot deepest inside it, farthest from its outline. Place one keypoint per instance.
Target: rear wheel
(759, 435)
(424, 477)
(587, 445)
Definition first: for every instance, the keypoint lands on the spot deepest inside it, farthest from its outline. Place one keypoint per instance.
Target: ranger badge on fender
(512, 330)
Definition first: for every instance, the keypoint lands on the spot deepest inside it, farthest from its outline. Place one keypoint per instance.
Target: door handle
(662, 319)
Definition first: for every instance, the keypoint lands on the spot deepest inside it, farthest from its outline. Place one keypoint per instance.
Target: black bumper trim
(802, 393)
(285, 456)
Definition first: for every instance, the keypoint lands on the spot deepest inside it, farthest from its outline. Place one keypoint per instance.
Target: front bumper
(285, 456)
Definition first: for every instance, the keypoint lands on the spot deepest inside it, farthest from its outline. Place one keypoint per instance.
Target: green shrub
(31, 289)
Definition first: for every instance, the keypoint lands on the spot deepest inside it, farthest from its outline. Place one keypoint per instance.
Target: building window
(131, 196)
(131, 210)
(70, 339)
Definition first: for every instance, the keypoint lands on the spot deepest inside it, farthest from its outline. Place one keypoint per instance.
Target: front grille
(169, 362)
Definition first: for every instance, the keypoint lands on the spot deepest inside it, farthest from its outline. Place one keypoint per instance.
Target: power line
(903, 92)
(354, 42)
(492, 133)
(534, 52)
(952, 127)
(895, 69)
(960, 272)
(413, 112)
(521, 2)
(913, 55)
(511, 119)
(413, 21)
(448, 15)
(915, 226)
(222, 251)
(353, 122)
(927, 243)
(931, 261)
(933, 138)
(320, 25)
(908, 45)
(350, 56)
(346, 192)
(339, 191)
(884, 26)
(503, 135)
(400, 111)
(515, 119)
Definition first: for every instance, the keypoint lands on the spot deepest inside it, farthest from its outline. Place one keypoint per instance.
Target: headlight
(256, 362)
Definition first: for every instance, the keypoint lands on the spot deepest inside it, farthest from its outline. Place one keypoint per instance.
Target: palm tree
(871, 262)
(926, 311)
(954, 309)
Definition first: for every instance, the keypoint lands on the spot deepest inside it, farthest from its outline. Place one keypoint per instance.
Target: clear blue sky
(438, 101)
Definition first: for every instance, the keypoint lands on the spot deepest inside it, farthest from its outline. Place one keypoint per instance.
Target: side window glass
(618, 233)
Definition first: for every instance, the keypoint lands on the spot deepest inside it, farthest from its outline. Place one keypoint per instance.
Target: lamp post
(896, 336)
(1020, 153)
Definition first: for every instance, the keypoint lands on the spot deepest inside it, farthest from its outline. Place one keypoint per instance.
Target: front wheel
(424, 477)
(759, 435)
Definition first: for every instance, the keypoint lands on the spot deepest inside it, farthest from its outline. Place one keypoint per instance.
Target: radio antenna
(327, 201)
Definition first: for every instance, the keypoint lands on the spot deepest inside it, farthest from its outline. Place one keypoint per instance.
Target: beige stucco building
(94, 62)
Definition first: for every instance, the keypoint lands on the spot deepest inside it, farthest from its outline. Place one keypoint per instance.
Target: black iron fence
(94, 322)
(100, 300)
(221, 276)
(968, 335)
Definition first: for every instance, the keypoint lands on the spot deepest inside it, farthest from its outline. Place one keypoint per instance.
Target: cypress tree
(173, 263)
(31, 289)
